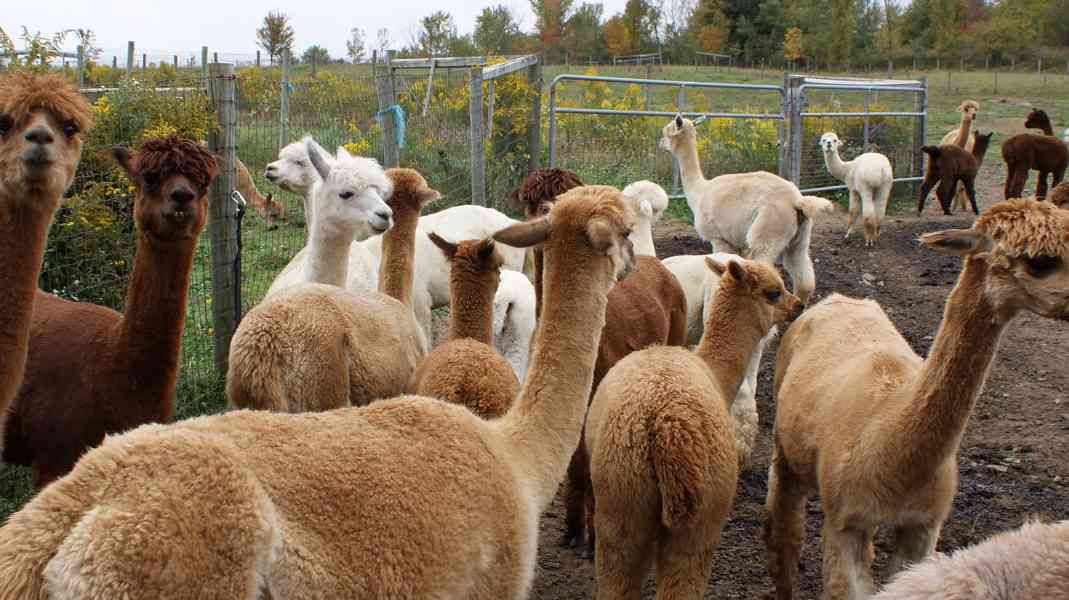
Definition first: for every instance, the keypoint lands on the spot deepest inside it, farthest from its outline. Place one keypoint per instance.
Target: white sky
(165, 27)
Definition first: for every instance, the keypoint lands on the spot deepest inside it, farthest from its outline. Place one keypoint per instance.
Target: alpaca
(947, 165)
(316, 347)
(1059, 195)
(662, 447)
(1029, 562)
(406, 498)
(465, 369)
(651, 201)
(119, 370)
(514, 320)
(42, 121)
(962, 136)
(1028, 151)
(868, 180)
(757, 215)
(293, 172)
(267, 207)
(864, 421)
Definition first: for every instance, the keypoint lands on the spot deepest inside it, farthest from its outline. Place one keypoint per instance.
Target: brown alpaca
(874, 429)
(962, 137)
(93, 371)
(269, 209)
(1059, 195)
(950, 164)
(465, 369)
(1028, 151)
(406, 498)
(662, 445)
(42, 118)
(313, 346)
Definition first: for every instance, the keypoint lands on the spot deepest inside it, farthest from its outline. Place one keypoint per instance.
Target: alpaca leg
(912, 544)
(685, 560)
(855, 208)
(970, 191)
(868, 215)
(799, 265)
(883, 195)
(944, 191)
(926, 189)
(722, 245)
(1041, 185)
(575, 497)
(959, 198)
(847, 555)
(625, 544)
(784, 529)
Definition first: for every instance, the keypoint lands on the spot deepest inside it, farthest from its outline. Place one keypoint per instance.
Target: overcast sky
(166, 27)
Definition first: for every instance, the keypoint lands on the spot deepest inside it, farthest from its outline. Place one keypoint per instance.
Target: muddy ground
(1013, 457)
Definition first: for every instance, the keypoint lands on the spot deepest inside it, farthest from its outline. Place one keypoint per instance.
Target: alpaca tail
(681, 460)
(811, 206)
(31, 538)
(932, 151)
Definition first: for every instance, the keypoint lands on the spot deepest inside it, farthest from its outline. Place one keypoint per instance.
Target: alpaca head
(42, 118)
(293, 171)
(590, 224)
(540, 189)
(675, 132)
(471, 261)
(768, 303)
(349, 193)
(1023, 246)
(982, 142)
(410, 192)
(1037, 119)
(650, 199)
(968, 109)
(171, 176)
(829, 142)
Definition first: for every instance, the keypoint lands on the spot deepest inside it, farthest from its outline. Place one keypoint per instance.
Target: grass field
(439, 149)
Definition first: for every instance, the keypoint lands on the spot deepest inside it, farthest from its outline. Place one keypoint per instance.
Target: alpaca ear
(428, 195)
(525, 235)
(124, 159)
(715, 266)
(738, 272)
(646, 209)
(601, 235)
(679, 121)
(447, 248)
(486, 250)
(957, 242)
(342, 153)
(317, 159)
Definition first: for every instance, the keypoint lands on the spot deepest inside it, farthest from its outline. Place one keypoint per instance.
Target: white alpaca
(514, 320)
(757, 215)
(700, 284)
(868, 179)
(651, 202)
(294, 173)
(1029, 562)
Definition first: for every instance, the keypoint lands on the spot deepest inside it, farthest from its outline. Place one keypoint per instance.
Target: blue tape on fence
(398, 122)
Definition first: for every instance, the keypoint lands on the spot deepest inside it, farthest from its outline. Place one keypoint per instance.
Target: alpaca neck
(643, 240)
(690, 168)
(731, 336)
(963, 131)
(537, 260)
(836, 166)
(23, 237)
(951, 378)
(396, 265)
(1046, 127)
(150, 339)
(978, 152)
(472, 308)
(328, 255)
(544, 424)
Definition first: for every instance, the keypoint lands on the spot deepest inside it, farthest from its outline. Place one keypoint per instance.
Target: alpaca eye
(773, 296)
(345, 195)
(1041, 266)
(300, 163)
(5, 124)
(70, 129)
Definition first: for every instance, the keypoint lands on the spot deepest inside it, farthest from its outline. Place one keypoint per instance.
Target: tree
(551, 17)
(710, 25)
(316, 54)
(636, 17)
(618, 36)
(843, 25)
(792, 45)
(354, 46)
(276, 35)
(382, 40)
(438, 30)
(39, 50)
(87, 39)
(582, 34)
(496, 30)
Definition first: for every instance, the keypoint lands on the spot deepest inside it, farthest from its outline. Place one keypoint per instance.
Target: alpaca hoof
(586, 552)
(572, 541)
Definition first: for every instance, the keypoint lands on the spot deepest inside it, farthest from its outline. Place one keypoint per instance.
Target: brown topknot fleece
(539, 189)
(22, 93)
(1026, 227)
(158, 158)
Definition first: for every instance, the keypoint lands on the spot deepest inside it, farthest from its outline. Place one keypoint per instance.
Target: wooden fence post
(144, 61)
(478, 141)
(257, 59)
(129, 58)
(534, 120)
(222, 221)
(204, 64)
(81, 66)
(284, 104)
(384, 89)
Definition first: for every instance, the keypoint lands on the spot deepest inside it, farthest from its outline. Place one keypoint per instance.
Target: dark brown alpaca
(92, 371)
(1028, 151)
(948, 164)
(42, 118)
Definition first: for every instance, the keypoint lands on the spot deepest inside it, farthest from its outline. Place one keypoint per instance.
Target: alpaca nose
(384, 213)
(182, 195)
(40, 136)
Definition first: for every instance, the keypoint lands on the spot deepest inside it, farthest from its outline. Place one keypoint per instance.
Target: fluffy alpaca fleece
(465, 369)
(1030, 562)
(514, 320)
(318, 347)
(651, 202)
(42, 121)
(389, 500)
(1028, 151)
(868, 180)
(758, 215)
(864, 421)
(118, 370)
(962, 136)
(949, 165)
(662, 450)
(1059, 195)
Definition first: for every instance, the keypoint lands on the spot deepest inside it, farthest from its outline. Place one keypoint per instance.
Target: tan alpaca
(42, 118)
(875, 429)
(662, 445)
(1030, 562)
(465, 369)
(317, 346)
(405, 498)
(962, 136)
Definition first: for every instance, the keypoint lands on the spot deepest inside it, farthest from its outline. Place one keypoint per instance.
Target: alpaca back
(468, 373)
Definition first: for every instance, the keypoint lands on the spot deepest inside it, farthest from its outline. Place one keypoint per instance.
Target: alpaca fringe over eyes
(175, 155)
(1026, 227)
(24, 93)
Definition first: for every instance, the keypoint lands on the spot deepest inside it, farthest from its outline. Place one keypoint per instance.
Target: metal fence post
(144, 61)
(796, 105)
(384, 88)
(782, 127)
(677, 178)
(222, 222)
(284, 103)
(920, 104)
(81, 66)
(129, 58)
(478, 141)
(865, 135)
(534, 120)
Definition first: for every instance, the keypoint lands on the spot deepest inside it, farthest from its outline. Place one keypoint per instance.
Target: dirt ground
(1013, 458)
